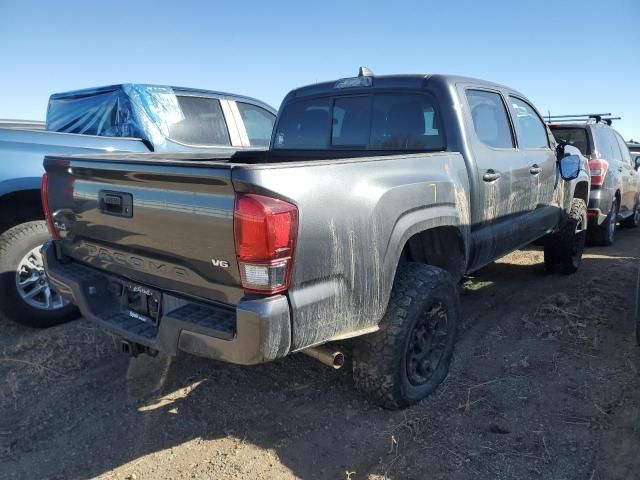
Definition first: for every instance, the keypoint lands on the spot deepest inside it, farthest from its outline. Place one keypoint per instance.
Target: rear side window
(202, 122)
(531, 130)
(574, 136)
(624, 150)
(258, 122)
(378, 121)
(490, 119)
(606, 144)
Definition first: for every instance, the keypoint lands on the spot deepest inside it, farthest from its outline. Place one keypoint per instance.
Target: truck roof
(22, 124)
(87, 92)
(408, 81)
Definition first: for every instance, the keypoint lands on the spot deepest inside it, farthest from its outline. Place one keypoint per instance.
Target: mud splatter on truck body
(353, 227)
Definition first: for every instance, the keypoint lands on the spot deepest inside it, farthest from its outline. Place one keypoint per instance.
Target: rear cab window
(376, 121)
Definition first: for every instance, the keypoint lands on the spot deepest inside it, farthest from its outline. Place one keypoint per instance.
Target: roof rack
(585, 117)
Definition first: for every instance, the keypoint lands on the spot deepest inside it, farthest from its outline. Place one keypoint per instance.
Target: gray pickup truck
(124, 118)
(377, 195)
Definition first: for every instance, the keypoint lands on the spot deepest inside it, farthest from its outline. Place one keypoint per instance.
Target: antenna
(365, 72)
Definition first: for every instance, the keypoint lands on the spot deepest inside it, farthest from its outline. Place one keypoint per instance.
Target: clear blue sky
(567, 56)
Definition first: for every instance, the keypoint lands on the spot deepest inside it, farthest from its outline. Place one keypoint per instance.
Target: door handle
(535, 169)
(491, 176)
(620, 169)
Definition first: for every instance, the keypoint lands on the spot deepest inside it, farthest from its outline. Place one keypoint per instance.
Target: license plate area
(141, 302)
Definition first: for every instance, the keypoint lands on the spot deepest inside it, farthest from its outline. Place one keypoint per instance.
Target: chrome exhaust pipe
(331, 358)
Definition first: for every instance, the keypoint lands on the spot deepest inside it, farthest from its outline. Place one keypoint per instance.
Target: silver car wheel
(33, 286)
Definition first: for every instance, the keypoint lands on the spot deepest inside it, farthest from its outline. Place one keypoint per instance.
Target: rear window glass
(201, 123)
(379, 121)
(351, 123)
(105, 114)
(405, 122)
(305, 125)
(576, 137)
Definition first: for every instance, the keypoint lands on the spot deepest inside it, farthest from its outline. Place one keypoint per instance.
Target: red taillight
(598, 171)
(47, 210)
(265, 232)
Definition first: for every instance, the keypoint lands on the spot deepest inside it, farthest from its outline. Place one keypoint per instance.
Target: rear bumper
(256, 331)
(599, 205)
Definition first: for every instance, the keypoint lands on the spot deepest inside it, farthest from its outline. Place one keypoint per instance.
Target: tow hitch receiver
(133, 349)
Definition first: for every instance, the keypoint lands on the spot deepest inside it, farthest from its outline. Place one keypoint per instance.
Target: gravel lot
(544, 384)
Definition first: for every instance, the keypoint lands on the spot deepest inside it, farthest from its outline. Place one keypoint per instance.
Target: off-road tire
(604, 234)
(563, 249)
(15, 243)
(380, 360)
(633, 220)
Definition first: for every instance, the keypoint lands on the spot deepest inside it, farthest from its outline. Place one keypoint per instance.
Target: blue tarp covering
(126, 110)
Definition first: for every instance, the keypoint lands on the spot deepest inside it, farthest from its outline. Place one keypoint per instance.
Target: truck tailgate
(162, 224)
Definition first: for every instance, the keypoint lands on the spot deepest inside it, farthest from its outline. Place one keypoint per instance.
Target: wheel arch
(581, 191)
(441, 246)
(20, 206)
(440, 239)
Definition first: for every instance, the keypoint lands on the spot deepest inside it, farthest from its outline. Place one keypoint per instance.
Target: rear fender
(419, 221)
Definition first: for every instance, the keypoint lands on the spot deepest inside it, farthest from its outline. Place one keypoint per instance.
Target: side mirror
(560, 149)
(638, 162)
(570, 167)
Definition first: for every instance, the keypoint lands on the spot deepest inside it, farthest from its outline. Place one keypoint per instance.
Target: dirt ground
(544, 384)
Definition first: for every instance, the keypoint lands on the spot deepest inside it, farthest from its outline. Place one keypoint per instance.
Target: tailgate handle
(119, 204)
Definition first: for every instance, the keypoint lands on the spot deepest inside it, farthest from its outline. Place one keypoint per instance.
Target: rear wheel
(605, 233)
(563, 249)
(409, 356)
(25, 294)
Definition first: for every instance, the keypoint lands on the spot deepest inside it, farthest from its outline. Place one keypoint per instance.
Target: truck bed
(350, 210)
(23, 150)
